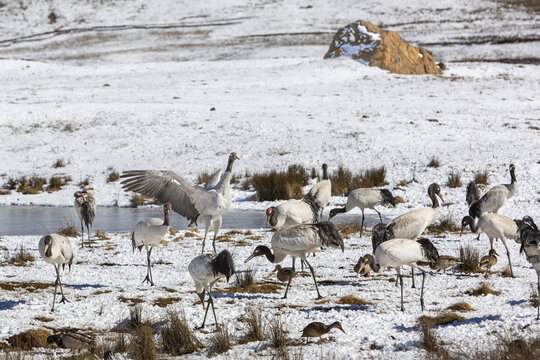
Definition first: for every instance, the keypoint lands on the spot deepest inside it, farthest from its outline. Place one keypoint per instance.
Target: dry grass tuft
(255, 326)
(25, 185)
(432, 345)
(481, 177)
(470, 258)
(29, 286)
(113, 176)
(343, 180)
(142, 345)
(5, 192)
(204, 178)
(348, 229)
(353, 300)
(21, 258)
(59, 164)
(441, 319)
(482, 290)
(132, 301)
(138, 200)
(454, 180)
(43, 319)
(56, 182)
(278, 333)
(445, 225)
(120, 344)
(27, 340)
(509, 347)
(220, 341)
(84, 183)
(70, 230)
(506, 272)
(245, 279)
(163, 302)
(177, 336)
(399, 200)
(461, 306)
(280, 185)
(533, 299)
(101, 235)
(135, 317)
(434, 162)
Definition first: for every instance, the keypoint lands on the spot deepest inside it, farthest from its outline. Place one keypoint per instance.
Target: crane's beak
(342, 330)
(440, 195)
(267, 220)
(236, 157)
(48, 250)
(461, 233)
(249, 258)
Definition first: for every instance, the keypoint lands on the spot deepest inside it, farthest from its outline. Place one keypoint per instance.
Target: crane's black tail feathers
(429, 250)
(379, 234)
(471, 193)
(330, 235)
(223, 263)
(528, 233)
(310, 200)
(87, 213)
(474, 210)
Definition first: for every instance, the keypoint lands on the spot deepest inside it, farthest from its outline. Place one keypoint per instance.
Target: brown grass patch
(533, 299)
(255, 237)
(434, 162)
(509, 347)
(101, 235)
(445, 225)
(280, 185)
(177, 336)
(113, 176)
(142, 345)
(28, 286)
(190, 234)
(173, 231)
(59, 163)
(255, 288)
(432, 345)
(353, 300)
(5, 192)
(454, 180)
(255, 326)
(132, 301)
(470, 258)
(278, 333)
(163, 302)
(399, 200)
(220, 341)
(241, 243)
(138, 200)
(99, 292)
(27, 340)
(70, 230)
(21, 258)
(56, 182)
(33, 185)
(348, 229)
(460, 306)
(43, 319)
(481, 177)
(441, 319)
(482, 290)
(343, 180)
(506, 272)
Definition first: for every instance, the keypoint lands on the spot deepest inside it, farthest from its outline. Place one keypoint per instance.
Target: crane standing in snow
(530, 245)
(495, 198)
(321, 192)
(85, 207)
(149, 233)
(195, 203)
(296, 241)
(56, 250)
(206, 270)
(292, 212)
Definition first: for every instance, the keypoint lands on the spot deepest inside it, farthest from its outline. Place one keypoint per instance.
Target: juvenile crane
(200, 205)
(396, 253)
(495, 198)
(365, 198)
(530, 245)
(56, 250)
(149, 233)
(206, 270)
(321, 192)
(292, 212)
(495, 226)
(296, 241)
(85, 207)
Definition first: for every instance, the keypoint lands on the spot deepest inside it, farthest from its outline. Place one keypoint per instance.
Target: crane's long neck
(512, 176)
(268, 253)
(434, 199)
(273, 218)
(473, 226)
(375, 267)
(166, 218)
(325, 173)
(229, 165)
(340, 210)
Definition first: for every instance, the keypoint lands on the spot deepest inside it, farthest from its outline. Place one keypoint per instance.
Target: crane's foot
(148, 280)
(319, 297)
(63, 300)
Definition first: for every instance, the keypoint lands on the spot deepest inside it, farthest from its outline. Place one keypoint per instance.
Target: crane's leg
(508, 254)
(213, 309)
(489, 260)
(401, 283)
(314, 280)
(82, 234)
(362, 226)
(412, 275)
(538, 306)
(55, 285)
(290, 278)
(207, 226)
(217, 227)
(422, 291)
(63, 300)
(210, 302)
(201, 296)
(88, 232)
(378, 212)
(148, 277)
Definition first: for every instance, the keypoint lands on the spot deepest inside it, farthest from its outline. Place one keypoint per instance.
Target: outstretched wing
(185, 197)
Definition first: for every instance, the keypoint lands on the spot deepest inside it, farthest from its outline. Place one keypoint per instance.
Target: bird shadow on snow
(10, 304)
(473, 320)
(336, 308)
(84, 286)
(240, 296)
(517, 302)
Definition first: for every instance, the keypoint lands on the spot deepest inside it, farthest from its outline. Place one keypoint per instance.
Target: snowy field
(130, 85)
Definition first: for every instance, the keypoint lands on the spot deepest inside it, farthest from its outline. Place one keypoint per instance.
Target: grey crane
(85, 207)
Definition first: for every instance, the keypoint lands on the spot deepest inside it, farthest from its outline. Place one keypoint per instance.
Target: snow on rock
(370, 45)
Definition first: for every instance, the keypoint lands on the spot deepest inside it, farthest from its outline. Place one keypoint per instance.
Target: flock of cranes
(299, 229)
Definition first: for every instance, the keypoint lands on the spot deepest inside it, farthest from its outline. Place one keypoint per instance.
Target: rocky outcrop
(370, 45)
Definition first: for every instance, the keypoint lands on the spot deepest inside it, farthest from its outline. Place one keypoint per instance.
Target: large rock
(369, 44)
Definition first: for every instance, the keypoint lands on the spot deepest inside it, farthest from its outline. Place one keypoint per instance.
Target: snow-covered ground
(123, 85)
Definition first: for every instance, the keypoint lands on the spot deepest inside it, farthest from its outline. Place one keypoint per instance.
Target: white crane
(495, 198)
(399, 252)
(475, 192)
(195, 203)
(85, 207)
(292, 212)
(530, 245)
(56, 250)
(149, 233)
(321, 192)
(495, 226)
(206, 270)
(296, 241)
(365, 198)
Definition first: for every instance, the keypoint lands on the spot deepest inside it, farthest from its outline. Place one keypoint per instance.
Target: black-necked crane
(495, 198)
(475, 192)
(396, 253)
(85, 207)
(321, 192)
(56, 250)
(149, 233)
(296, 241)
(206, 270)
(318, 329)
(198, 204)
(365, 198)
(292, 212)
(530, 245)
(495, 226)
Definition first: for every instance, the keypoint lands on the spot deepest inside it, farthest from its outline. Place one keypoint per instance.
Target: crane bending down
(149, 233)
(296, 241)
(56, 250)
(197, 204)
(85, 207)
(321, 192)
(495, 198)
(398, 252)
(365, 198)
(530, 245)
(206, 270)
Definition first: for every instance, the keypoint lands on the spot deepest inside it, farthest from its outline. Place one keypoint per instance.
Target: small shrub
(481, 177)
(30, 339)
(434, 162)
(84, 183)
(113, 176)
(441, 319)
(135, 317)
(21, 258)
(399, 200)
(11, 184)
(120, 344)
(142, 345)
(56, 182)
(177, 336)
(369, 178)
(59, 164)
(245, 279)
(353, 300)
(246, 184)
(470, 258)
(278, 334)
(506, 272)
(482, 290)
(68, 128)
(444, 225)
(341, 179)
(255, 326)
(347, 229)
(138, 200)
(220, 341)
(460, 306)
(70, 231)
(280, 185)
(431, 344)
(454, 180)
